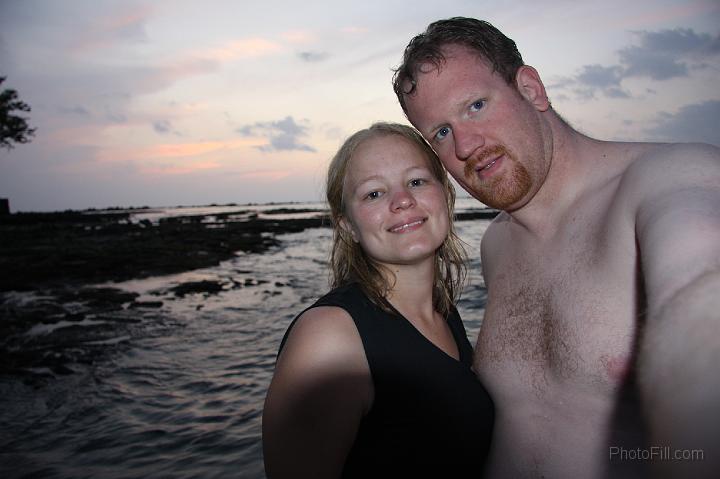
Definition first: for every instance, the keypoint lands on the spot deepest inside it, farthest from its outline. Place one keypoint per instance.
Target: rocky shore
(48, 249)
(53, 249)
(53, 316)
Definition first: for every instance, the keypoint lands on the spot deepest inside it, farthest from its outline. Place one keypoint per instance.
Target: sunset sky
(184, 102)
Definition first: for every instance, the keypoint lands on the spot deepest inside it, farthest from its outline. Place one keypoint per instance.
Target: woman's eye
(417, 182)
(373, 195)
(442, 133)
(477, 106)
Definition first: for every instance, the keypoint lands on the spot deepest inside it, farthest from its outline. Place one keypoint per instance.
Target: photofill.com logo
(655, 453)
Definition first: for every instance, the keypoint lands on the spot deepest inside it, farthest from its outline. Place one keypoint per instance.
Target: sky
(163, 103)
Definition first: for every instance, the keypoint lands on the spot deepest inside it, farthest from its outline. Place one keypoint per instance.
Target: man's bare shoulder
(674, 165)
(494, 237)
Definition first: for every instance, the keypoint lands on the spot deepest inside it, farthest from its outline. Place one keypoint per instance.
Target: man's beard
(502, 190)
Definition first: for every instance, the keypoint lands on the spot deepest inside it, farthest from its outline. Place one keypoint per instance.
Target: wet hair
(477, 35)
(350, 263)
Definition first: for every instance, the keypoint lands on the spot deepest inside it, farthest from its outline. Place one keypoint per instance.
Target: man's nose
(402, 200)
(467, 140)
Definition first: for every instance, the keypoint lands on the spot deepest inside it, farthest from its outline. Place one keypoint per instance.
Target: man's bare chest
(562, 311)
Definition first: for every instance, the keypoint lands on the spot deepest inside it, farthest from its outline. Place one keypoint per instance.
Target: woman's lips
(408, 225)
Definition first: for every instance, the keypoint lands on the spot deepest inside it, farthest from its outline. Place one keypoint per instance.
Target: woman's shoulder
(323, 333)
(344, 296)
(324, 323)
(323, 349)
(320, 389)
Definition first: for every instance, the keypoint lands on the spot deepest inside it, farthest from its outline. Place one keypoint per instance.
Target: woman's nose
(402, 200)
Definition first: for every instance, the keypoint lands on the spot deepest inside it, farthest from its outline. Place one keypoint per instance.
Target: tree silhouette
(13, 128)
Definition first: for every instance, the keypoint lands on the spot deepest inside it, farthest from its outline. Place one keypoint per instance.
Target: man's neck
(572, 160)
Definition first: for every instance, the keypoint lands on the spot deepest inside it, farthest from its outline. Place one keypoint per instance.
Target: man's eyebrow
(457, 108)
(429, 131)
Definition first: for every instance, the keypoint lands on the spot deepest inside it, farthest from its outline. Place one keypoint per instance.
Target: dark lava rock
(205, 286)
(56, 249)
(70, 248)
(146, 304)
(97, 298)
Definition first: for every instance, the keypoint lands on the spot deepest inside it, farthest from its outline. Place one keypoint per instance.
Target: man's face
(487, 134)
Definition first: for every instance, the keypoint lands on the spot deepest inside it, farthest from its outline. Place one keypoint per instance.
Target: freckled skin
(396, 173)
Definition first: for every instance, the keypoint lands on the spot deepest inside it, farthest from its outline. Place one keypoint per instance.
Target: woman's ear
(347, 226)
(530, 86)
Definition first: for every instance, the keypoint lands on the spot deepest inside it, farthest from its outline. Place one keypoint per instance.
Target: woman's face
(395, 208)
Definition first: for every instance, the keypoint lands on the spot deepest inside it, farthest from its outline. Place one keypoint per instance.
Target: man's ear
(348, 228)
(531, 87)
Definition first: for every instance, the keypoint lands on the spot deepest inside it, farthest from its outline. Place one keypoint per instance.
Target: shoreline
(41, 250)
(65, 314)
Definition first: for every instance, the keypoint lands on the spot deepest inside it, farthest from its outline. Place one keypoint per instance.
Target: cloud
(680, 41)
(640, 62)
(243, 48)
(664, 54)
(660, 55)
(75, 110)
(114, 117)
(298, 36)
(282, 135)
(600, 76)
(696, 122)
(163, 127)
(207, 150)
(125, 24)
(616, 93)
(596, 78)
(313, 56)
(179, 169)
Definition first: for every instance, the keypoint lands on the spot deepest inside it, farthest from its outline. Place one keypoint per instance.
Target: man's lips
(487, 165)
(484, 162)
(407, 225)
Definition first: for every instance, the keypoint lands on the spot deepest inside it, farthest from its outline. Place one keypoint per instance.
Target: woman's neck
(412, 293)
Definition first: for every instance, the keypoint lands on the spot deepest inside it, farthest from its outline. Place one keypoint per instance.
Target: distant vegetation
(13, 128)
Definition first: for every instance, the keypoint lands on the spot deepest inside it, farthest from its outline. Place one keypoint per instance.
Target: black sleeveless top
(430, 416)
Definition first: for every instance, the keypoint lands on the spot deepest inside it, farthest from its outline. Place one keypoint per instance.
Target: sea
(175, 390)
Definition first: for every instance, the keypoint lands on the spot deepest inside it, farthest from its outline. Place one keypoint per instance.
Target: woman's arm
(319, 393)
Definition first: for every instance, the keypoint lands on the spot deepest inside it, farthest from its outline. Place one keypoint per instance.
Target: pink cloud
(299, 36)
(244, 48)
(175, 169)
(175, 150)
(656, 16)
(126, 23)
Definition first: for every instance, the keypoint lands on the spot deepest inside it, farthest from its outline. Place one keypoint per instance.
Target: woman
(374, 379)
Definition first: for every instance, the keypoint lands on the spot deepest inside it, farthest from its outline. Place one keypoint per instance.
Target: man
(603, 269)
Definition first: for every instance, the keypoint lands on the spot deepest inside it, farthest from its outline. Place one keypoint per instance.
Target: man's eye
(477, 106)
(442, 133)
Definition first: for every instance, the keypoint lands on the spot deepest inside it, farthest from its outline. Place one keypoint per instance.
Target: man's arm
(678, 233)
(319, 393)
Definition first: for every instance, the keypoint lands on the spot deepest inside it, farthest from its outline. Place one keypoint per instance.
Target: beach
(140, 343)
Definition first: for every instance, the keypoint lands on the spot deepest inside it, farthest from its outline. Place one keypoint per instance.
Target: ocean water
(172, 391)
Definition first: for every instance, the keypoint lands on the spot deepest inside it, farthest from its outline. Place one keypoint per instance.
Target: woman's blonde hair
(349, 262)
